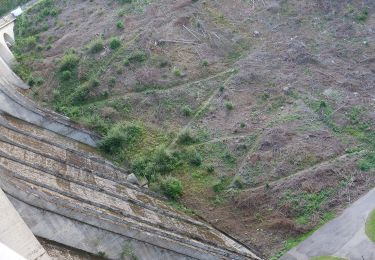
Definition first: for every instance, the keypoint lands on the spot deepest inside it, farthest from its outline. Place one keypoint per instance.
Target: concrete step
(35, 141)
(57, 195)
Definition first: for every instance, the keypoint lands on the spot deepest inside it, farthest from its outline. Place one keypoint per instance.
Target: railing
(5, 20)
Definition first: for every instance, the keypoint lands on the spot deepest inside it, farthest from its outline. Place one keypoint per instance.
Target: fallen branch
(177, 41)
(190, 31)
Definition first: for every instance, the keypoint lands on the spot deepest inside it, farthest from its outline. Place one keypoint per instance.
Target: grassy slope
(231, 116)
(370, 226)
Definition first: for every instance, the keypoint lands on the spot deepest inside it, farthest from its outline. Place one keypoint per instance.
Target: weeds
(114, 43)
(172, 188)
(96, 46)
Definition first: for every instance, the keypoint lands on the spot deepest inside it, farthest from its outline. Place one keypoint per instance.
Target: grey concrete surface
(16, 235)
(343, 237)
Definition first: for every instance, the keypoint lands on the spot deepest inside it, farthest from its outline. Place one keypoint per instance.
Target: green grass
(370, 226)
(327, 258)
(9, 5)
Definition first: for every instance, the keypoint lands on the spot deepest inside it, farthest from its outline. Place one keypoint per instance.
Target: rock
(256, 33)
(132, 179)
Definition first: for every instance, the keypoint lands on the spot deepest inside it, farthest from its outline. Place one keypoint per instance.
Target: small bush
(125, 1)
(362, 15)
(229, 105)
(114, 43)
(172, 188)
(195, 158)
(219, 186)
(205, 63)
(121, 136)
(69, 62)
(210, 168)
(66, 75)
(138, 56)
(161, 161)
(177, 72)
(186, 137)
(120, 25)
(96, 46)
(186, 111)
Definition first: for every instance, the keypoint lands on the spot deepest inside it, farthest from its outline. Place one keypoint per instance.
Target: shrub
(172, 188)
(210, 168)
(205, 63)
(177, 72)
(186, 137)
(186, 111)
(114, 43)
(195, 158)
(362, 15)
(69, 62)
(161, 161)
(96, 45)
(138, 56)
(219, 186)
(119, 137)
(120, 25)
(66, 75)
(125, 1)
(126, 62)
(80, 95)
(229, 105)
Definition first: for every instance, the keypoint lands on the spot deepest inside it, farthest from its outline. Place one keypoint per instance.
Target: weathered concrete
(7, 38)
(343, 237)
(16, 235)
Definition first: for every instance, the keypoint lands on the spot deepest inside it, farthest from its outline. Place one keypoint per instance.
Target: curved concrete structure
(7, 38)
(15, 235)
(68, 194)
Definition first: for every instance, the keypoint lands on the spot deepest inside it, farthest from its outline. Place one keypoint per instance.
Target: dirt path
(343, 237)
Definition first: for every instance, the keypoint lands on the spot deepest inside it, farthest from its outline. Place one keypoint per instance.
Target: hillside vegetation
(256, 115)
(9, 5)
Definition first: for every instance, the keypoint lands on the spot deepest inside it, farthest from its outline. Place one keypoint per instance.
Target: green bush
(69, 62)
(210, 168)
(114, 43)
(160, 162)
(177, 72)
(120, 25)
(172, 188)
(125, 1)
(96, 46)
(205, 63)
(66, 75)
(362, 15)
(229, 105)
(194, 158)
(186, 111)
(138, 56)
(186, 137)
(121, 136)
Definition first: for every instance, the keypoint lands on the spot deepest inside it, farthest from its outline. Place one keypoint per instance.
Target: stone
(133, 179)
